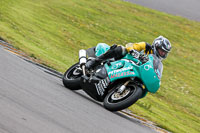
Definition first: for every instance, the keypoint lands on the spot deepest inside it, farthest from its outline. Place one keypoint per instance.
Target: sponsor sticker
(117, 65)
(122, 74)
(101, 86)
(147, 67)
(120, 70)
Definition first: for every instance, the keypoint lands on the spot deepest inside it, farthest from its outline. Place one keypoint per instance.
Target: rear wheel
(116, 101)
(72, 77)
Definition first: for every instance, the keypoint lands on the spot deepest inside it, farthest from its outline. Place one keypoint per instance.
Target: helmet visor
(162, 53)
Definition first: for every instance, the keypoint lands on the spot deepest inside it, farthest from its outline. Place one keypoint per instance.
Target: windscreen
(158, 66)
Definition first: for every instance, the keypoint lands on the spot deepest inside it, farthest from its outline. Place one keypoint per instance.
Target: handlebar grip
(137, 61)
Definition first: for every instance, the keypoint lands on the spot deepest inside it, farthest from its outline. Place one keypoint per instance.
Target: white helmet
(161, 47)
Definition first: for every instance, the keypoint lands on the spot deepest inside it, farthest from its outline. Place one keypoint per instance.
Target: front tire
(116, 102)
(72, 78)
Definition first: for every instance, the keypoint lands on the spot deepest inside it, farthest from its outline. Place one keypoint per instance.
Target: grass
(54, 30)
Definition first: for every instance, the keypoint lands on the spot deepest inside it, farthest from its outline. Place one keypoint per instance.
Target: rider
(160, 47)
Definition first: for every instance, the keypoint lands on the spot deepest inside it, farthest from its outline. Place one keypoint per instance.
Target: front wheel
(116, 101)
(72, 77)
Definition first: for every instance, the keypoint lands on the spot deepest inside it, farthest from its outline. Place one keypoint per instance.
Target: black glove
(135, 53)
(143, 58)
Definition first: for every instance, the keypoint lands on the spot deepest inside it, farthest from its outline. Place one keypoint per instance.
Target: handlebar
(139, 57)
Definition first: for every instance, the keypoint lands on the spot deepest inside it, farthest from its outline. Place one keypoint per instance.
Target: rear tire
(130, 95)
(71, 78)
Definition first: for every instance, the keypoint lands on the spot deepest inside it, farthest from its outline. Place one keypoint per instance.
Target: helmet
(161, 47)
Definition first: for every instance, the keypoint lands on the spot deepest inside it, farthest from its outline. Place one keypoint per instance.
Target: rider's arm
(139, 47)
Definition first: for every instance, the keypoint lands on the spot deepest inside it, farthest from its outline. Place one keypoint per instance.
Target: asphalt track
(33, 101)
(186, 8)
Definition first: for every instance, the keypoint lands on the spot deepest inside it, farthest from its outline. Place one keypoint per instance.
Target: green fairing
(127, 67)
(149, 77)
(101, 48)
(127, 70)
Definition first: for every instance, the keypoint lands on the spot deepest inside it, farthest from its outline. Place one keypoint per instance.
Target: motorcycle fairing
(131, 67)
(149, 77)
(96, 85)
(91, 90)
(101, 48)
(145, 72)
(127, 71)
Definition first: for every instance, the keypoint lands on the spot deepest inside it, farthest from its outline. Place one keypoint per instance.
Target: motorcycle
(116, 83)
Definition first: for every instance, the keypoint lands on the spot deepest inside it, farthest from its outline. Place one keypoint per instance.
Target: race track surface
(33, 101)
(186, 8)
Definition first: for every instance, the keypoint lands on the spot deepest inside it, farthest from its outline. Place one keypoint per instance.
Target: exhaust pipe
(82, 59)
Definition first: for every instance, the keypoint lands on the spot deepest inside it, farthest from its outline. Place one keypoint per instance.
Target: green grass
(54, 30)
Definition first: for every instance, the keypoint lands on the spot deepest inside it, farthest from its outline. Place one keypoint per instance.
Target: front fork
(123, 87)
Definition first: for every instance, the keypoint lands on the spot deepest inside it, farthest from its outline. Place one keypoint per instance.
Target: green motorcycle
(116, 83)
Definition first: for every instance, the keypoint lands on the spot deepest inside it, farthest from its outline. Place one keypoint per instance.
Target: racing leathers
(140, 47)
(118, 52)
